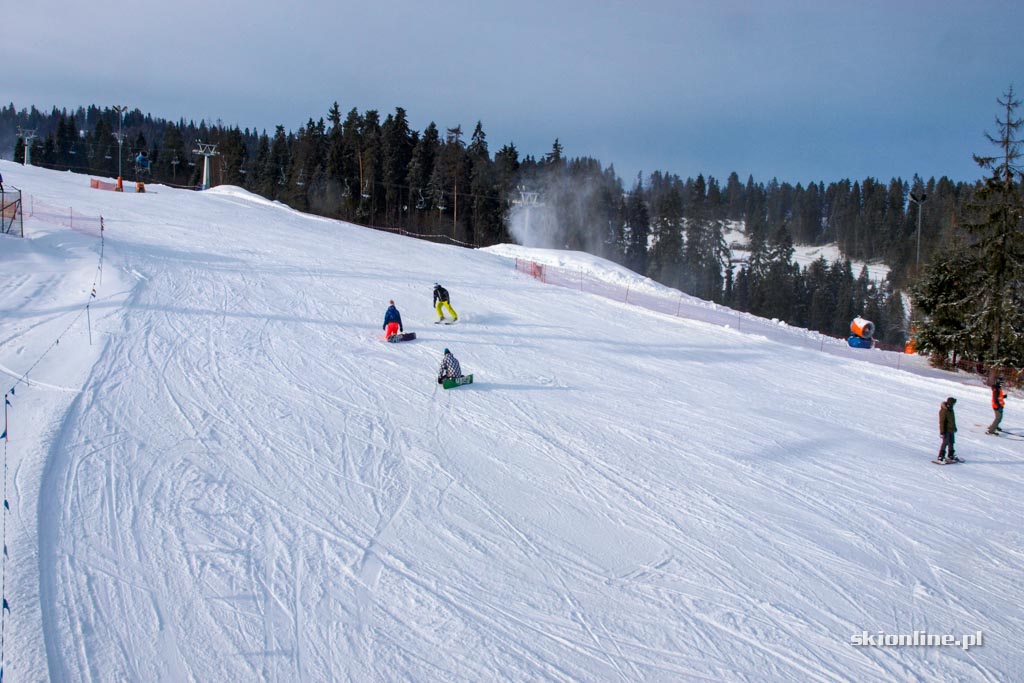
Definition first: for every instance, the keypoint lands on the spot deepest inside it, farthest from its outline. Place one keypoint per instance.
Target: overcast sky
(799, 90)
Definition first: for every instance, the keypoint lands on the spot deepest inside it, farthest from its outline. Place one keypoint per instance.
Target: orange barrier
(101, 185)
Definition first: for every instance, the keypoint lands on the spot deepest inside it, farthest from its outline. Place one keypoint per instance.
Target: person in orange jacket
(998, 403)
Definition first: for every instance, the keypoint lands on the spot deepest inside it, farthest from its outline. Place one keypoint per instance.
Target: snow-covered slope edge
(254, 486)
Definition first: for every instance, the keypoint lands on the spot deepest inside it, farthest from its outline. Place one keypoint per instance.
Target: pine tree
(942, 302)
(450, 177)
(666, 255)
(396, 152)
(421, 169)
(485, 217)
(996, 220)
(638, 224)
(983, 317)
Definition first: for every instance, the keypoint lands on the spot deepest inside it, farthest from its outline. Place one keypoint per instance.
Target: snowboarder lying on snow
(392, 321)
(947, 429)
(449, 368)
(441, 299)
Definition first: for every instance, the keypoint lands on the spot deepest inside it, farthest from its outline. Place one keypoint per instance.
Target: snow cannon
(861, 333)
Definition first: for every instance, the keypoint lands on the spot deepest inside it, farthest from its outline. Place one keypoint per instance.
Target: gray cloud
(798, 90)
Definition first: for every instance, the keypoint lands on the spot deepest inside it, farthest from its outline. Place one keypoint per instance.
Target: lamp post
(120, 109)
(919, 200)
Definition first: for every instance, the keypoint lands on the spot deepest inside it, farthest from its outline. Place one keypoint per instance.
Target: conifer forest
(955, 248)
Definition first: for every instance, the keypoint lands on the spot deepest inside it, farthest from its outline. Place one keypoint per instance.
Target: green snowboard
(458, 381)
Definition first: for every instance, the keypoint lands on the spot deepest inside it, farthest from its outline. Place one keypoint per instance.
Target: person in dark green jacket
(947, 430)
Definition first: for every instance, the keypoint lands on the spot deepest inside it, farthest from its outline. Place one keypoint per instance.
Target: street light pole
(120, 109)
(918, 200)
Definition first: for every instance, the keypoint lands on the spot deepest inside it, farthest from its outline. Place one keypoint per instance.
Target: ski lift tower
(28, 136)
(207, 150)
(527, 199)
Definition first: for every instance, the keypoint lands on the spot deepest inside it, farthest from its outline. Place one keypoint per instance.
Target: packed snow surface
(239, 480)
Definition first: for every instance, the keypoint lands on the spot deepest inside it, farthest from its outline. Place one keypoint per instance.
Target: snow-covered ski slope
(239, 480)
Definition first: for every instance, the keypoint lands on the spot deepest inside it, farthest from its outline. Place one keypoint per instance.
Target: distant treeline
(359, 168)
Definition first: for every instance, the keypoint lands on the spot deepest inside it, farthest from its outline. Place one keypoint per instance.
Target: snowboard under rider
(392, 321)
(450, 368)
(441, 300)
(998, 403)
(947, 430)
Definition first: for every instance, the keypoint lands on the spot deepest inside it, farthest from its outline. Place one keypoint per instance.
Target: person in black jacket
(441, 300)
(392, 321)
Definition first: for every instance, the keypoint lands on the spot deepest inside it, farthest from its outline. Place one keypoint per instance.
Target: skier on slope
(947, 430)
(450, 368)
(998, 403)
(392, 321)
(441, 300)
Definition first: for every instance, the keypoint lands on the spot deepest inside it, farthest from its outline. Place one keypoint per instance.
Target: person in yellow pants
(441, 302)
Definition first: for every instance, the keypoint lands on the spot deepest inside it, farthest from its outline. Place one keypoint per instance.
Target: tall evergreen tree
(396, 153)
(666, 255)
(995, 221)
(421, 169)
(638, 229)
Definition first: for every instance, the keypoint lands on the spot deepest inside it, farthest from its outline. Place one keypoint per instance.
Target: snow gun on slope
(861, 334)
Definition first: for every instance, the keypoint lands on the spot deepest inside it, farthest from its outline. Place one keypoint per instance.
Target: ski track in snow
(248, 484)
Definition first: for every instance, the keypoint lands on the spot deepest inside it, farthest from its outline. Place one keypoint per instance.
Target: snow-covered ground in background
(804, 254)
(239, 480)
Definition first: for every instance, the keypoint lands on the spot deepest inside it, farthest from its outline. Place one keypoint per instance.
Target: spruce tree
(996, 220)
(974, 297)
(396, 142)
(666, 256)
